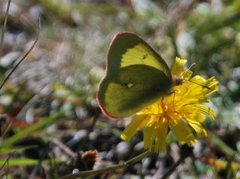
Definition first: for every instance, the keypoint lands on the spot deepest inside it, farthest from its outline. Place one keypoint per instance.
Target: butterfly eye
(177, 81)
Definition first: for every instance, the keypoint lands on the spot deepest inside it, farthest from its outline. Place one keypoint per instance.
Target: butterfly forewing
(128, 49)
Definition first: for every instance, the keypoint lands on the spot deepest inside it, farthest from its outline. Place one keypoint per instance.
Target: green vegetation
(50, 123)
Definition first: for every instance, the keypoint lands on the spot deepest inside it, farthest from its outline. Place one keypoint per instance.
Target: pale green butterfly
(136, 76)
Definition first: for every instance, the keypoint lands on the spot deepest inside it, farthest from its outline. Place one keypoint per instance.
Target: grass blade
(37, 126)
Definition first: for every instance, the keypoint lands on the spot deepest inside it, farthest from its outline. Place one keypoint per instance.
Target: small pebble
(122, 150)
(110, 155)
(75, 171)
(139, 147)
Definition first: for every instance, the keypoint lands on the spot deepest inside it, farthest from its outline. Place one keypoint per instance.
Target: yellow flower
(183, 112)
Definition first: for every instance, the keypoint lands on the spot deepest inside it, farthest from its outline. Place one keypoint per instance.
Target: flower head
(182, 112)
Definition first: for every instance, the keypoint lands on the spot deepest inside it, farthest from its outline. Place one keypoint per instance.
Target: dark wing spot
(144, 56)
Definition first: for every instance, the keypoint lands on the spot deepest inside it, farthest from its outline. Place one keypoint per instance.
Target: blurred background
(49, 119)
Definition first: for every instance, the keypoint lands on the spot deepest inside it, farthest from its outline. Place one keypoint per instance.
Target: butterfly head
(177, 80)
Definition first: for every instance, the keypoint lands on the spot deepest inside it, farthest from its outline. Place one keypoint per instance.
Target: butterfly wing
(135, 77)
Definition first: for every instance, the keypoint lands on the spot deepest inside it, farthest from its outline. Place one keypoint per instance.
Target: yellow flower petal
(183, 112)
(178, 66)
(160, 139)
(148, 134)
(155, 136)
(182, 132)
(198, 128)
(137, 123)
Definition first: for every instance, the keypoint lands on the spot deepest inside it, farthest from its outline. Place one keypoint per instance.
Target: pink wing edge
(106, 70)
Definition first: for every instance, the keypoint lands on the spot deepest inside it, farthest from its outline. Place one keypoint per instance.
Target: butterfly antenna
(204, 86)
(191, 66)
(23, 58)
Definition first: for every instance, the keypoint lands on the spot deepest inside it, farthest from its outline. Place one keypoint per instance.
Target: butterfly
(136, 76)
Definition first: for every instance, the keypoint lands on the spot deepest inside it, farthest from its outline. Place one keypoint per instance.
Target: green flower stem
(222, 145)
(91, 173)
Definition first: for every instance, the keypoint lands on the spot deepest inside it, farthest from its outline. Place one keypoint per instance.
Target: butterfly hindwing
(123, 94)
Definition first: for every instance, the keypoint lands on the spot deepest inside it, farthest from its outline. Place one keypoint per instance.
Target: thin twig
(173, 168)
(65, 148)
(186, 151)
(94, 120)
(21, 60)
(6, 161)
(35, 170)
(4, 25)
